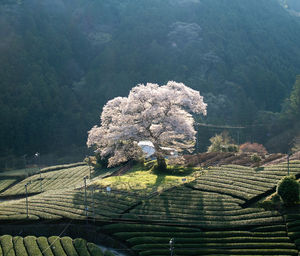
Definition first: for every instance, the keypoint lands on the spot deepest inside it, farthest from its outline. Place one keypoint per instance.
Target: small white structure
(148, 149)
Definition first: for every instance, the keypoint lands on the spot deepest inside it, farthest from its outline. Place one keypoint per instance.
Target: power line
(229, 126)
(221, 126)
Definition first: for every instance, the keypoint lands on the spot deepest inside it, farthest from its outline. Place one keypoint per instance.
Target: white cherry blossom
(160, 114)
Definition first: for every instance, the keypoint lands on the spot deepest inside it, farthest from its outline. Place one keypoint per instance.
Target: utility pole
(171, 243)
(37, 154)
(89, 163)
(85, 201)
(197, 138)
(288, 163)
(26, 192)
(93, 190)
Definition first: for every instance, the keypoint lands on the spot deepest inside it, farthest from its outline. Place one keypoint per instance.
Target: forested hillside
(61, 60)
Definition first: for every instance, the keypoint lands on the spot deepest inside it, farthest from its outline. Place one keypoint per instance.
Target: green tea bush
(7, 245)
(19, 246)
(108, 253)
(94, 250)
(67, 244)
(31, 246)
(288, 190)
(80, 246)
(44, 246)
(294, 235)
(56, 246)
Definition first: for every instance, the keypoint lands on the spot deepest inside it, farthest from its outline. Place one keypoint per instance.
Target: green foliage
(94, 250)
(256, 159)
(80, 246)
(296, 144)
(293, 103)
(19, 246)
(44, 246)
(101, 162)
(271, 203)
(7, 245)
(71, 69)
(222, 143)
(288, 189)
(56, 247)
(108, 253)
(67, 244)
(31, 246)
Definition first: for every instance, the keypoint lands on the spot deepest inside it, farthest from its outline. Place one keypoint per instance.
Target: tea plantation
(217, 213)
(51, 246)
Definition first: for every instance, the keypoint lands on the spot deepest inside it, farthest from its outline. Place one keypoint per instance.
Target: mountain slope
(62, 60)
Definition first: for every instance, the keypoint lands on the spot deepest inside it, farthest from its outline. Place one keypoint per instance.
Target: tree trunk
(161, 162)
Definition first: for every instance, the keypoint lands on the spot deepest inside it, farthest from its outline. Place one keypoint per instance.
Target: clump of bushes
(288, 190)
(256, 159)
(222, 143)
(272, 202)
(253, 148)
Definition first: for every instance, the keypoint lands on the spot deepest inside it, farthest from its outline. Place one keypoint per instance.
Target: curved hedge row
(52, 246)
(70, 204)
(293, 226)
(204, 209)
(154, 240)
(243, 182)
(52, 180)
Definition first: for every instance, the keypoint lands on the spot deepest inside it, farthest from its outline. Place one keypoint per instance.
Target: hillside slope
(62, 60)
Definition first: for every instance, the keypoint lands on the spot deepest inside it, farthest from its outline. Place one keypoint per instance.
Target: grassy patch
(145, 180)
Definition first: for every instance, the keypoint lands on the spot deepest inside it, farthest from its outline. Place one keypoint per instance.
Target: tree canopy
(160, 114)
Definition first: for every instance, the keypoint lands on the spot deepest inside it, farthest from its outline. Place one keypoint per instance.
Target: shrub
(101, 162)
(7, 245)
(288, 190)
(253, 148)
(57, 249)
(44, 246)
(222, 143)
(256, 159)
(19, 246)
(108, 253)
(31, 246)
(94, 250)
(80, 246)
(67, 244)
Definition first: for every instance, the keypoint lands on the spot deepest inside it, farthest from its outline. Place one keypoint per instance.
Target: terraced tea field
(293, 227)
(216, 214)
(68, 204)
(244, 183)
(49, 179)
(51, 246)
(5, 183)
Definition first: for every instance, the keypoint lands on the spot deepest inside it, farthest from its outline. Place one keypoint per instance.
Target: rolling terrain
(212, 211)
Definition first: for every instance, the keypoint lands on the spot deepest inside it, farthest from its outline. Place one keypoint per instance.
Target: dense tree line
(62, 60)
